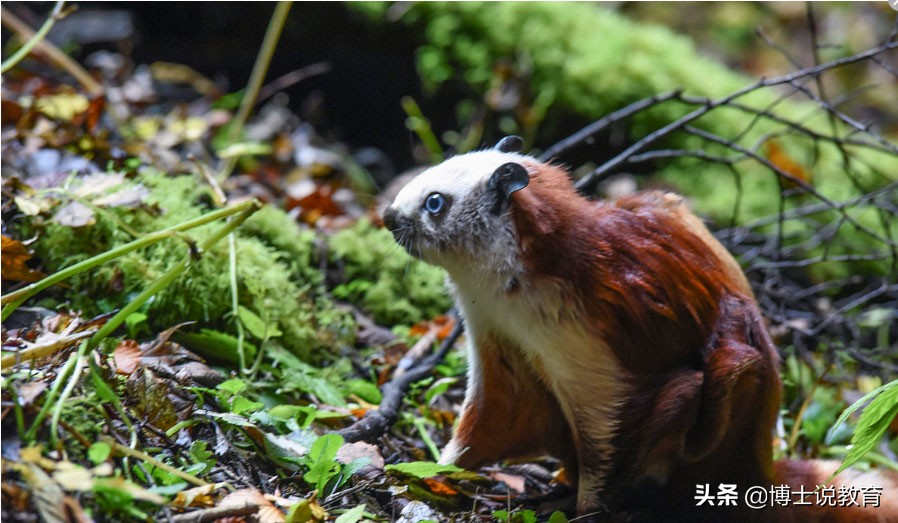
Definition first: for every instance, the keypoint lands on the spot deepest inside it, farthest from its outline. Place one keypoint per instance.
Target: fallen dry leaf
(514, 482)
(196, 497)
(48, 496)
(75, 214)
(73, 477)
(560, 476)
(439, 487)
(267, 512)
(30, 391)
(308, 510)
(73, 511)
(16, 495)
(14, 259)
(127, 357)
(352, 451)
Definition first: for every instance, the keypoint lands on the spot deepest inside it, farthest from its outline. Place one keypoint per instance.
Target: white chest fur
(579, 368)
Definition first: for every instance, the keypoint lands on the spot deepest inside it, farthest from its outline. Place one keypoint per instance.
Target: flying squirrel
(619, 336)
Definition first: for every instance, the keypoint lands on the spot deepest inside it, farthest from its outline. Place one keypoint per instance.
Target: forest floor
(173, 381)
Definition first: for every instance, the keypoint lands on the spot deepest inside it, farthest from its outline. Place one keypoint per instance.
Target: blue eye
(434, 203)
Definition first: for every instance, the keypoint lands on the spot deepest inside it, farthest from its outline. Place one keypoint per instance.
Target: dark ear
(505, 180)
(510, 144)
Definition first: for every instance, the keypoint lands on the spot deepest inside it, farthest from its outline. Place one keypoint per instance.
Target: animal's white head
(456, 212)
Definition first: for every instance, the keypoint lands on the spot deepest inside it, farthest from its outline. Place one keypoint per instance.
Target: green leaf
(422, 469)
(134, 320)
(103, 391)
(169, 490)
(439, 386)
(322, 465)
(856, 405)
(241, 405)
(558, 517)
(365, 390)
(245, 148)
(500, 515)
(202, 455)
(352, 515)
(232, 386)
(872, 425)
(227, 417)
(285, 412)
(98, 452)
(216, 346)
(253, 323)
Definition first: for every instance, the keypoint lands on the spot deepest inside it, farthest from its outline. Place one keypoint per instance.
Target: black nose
(391, 218)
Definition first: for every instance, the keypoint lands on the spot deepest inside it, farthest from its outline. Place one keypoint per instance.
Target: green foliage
(558, 517)
(99, 452)
(320, 460)
(384, 280)
(353, 515)
(277, 277)
(201, 456)
(516, 516)
(820, 414)
(422, 469)
(872, 424)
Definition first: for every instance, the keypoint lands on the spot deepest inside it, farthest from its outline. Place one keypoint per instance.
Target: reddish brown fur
(503, 428)
(676, 310)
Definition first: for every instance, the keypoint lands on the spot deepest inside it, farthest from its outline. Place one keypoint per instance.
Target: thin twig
(588, 182)
(216, 513)
(376, 422)
(53, 53)
(23, 51)
(601, 124)
(256, 77)
(127, 451)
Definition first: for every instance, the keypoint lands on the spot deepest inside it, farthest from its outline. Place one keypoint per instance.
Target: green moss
(384, 280)
(276, 273)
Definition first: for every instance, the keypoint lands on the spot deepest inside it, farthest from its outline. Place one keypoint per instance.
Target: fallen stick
(214, 513)
(375, 422)
(53, 54)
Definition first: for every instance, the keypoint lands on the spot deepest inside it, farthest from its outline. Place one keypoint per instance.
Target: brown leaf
(30, 391)
(48, 497)
(513, 481)
(359, 413)
(781, 159)
(440, 487)
(153, 398)
(561, 476)
(250, 496)
(73, 511)
(195, 497)
(14, 259)
(352, 451)
(11, 112)
(127, 357)
(94, 112)
(315, 200)
(308, 510)
(16, 495)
